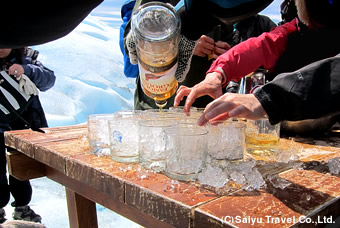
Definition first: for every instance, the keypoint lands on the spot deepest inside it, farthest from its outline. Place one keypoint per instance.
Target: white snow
(88, 65)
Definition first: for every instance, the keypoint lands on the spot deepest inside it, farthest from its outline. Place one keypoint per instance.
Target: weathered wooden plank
(82, 212)
(24, 140)
(87, 168)
(54, 154)
(14, 141)
(158, 206)
(105, 200)
(167, 200)
(11, 136)
(23, 167)
(295, 193)
(151, 193)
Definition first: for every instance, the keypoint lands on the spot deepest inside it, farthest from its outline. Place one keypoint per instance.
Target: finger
(209, 47)
(223, 116)
(188, 103)
(208, 40)
(191, 97)
(207, 51)
(222, 45)
(220, 51)
(202, 120)
(243, 112)
(219, 108)
(200, 54)
(239, 111)
(181, 88)
(181, 93)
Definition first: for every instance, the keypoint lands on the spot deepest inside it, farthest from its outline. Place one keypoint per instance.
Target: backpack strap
(9, 107)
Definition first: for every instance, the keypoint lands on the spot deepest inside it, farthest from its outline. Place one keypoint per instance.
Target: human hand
(205, 46)
(211, 86)
(16, 70)
(232, 105)
(220, 48)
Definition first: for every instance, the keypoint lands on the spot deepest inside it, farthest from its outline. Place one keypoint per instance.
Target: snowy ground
(89, 69)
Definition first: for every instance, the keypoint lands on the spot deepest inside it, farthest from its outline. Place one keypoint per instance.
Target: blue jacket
(130, 71)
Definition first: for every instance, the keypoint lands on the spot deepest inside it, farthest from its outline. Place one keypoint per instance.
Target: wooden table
(62, 155)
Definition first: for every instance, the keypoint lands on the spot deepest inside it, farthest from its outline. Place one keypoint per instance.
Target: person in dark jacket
(236, 23)
(18, 62)
(286, 48)
(308, 92)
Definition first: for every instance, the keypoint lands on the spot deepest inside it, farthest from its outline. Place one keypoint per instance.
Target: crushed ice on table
(126, 169)
(287, 155)
(173, 186)
(143, 173)
(244, 173)
(238, 178)
(278, 182)
(334, 165)
(100, 151)
(157, 166)
(213, 176)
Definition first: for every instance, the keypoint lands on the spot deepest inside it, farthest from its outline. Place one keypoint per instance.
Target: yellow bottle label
(160, 82)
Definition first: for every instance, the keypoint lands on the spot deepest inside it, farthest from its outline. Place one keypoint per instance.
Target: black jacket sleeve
(310, 92)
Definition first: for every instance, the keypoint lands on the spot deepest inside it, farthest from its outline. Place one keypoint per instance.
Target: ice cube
(254, 179)
(238, 178)
(213, 176)
(172, 186)
(334, 165)
(278, 182)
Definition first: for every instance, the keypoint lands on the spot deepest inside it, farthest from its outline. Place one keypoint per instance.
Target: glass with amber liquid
(262, 138)
(156, 30)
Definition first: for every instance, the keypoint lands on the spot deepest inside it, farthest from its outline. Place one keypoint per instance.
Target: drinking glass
(152, 142)
(186, 151)
(262, 138)
(161, 114)
(226, 140)
(98, 133)
(124, 137)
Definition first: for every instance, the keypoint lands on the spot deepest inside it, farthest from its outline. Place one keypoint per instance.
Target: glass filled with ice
(124, 137)
(152, 142)
(186, 151)
(226, 140)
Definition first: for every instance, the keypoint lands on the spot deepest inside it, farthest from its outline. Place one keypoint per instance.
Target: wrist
(217, 77)
(220, 74)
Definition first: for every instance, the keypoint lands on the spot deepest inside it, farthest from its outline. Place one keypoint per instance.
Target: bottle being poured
(156, 30)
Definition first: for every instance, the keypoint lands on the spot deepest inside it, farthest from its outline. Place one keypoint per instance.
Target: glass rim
(143, 123)
(98, 115)
(176, 131)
